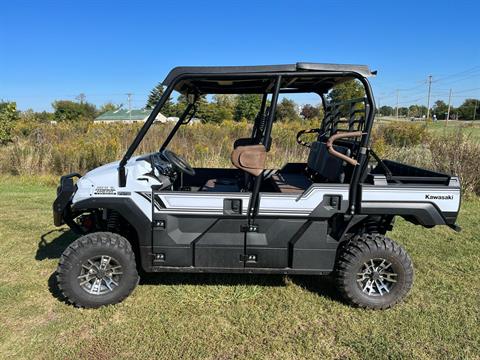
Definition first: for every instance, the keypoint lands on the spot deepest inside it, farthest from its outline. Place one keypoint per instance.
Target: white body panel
(270, 203)
(103, 182)
(447, 199)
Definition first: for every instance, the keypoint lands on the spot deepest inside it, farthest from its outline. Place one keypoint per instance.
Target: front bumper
(65, 192)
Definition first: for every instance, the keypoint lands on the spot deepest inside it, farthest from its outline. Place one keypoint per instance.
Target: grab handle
(337, 154)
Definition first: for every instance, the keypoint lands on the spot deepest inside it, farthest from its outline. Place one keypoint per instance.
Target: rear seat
(320, 165)
(326, 166)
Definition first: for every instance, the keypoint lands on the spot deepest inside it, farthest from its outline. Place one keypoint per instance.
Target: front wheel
(373, 272)
(97, 269)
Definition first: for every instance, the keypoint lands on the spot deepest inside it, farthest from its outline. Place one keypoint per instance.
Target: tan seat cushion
(250, 158)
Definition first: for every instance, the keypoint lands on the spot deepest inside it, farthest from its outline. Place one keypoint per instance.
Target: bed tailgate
(427, 205)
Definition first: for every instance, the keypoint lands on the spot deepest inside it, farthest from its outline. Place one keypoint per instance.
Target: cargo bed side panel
(429, 205)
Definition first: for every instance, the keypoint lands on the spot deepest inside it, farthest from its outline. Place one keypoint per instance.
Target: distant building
(127, 117)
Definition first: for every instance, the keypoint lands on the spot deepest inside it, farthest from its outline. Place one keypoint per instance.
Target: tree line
(234, 107)
(242, 107)
(468, 110)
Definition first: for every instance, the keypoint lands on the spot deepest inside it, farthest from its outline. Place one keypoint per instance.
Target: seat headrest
(250, 158)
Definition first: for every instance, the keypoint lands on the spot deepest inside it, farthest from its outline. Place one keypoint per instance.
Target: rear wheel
(97, 269)
(374, 272)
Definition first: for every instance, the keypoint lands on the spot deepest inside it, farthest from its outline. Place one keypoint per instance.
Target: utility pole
(396, 110)
(448, 111)
(475, 110)
(130, 105)
(428, 97)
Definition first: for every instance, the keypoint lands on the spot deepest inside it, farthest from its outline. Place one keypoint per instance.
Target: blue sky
(57, 49)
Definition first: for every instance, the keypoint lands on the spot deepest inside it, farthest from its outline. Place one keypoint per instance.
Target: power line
(411, 100)
(468, 90)
(461, 73)
(462, 79)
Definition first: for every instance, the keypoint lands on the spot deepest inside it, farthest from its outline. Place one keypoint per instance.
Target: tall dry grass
(58, 149)
(62, 148)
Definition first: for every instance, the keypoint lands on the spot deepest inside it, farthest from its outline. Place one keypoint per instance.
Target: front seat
(250, 158)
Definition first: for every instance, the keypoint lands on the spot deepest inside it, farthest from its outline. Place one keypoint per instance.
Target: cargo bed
(396, 172)
(420, 196)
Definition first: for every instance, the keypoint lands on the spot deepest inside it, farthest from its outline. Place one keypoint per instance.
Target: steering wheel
(178, 162)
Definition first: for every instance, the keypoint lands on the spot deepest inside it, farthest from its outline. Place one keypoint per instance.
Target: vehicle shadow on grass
(53, 249)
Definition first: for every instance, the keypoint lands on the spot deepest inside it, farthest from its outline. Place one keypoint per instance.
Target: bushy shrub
(457, 155)
(8, 116)
(402, 133)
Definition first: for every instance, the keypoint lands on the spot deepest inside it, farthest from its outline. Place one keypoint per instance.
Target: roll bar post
(122, 178)
(273, 108)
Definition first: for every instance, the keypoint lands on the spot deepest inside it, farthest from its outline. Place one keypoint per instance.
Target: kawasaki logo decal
(438, 197)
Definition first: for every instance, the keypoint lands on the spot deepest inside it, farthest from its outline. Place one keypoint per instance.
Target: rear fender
(422, 213)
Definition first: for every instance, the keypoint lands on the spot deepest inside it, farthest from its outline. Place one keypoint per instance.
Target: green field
(470, 128)
(225, 317)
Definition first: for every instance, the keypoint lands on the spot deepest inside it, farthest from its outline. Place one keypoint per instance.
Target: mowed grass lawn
(470, 128)
(173, 316)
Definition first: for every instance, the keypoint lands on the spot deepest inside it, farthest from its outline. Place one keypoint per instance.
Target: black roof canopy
(299, 77)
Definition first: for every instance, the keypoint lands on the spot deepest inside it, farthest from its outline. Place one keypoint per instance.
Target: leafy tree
(211, 112)
(30, 116)
(287, 110)
(440, 109)
(43, 117)
(8, 117)
(466, 110)
(386, 110)
(417, 111)
(223, 107)
(179, 107)
(309, 111)
(348, 90)
(109, 106)
(403, 111)
(225, 100)
(414, 111)
(66, 110)
(154, 97)
(247, 106)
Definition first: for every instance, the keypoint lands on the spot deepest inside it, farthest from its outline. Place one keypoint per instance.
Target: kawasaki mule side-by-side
(328, 214)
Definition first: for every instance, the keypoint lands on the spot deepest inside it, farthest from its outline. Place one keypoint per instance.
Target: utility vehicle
(328, 214)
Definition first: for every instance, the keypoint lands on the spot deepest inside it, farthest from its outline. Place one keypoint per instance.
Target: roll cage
(270, 81)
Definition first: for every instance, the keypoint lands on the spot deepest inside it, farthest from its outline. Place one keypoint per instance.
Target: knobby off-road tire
(97, 269)
(373, 272)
